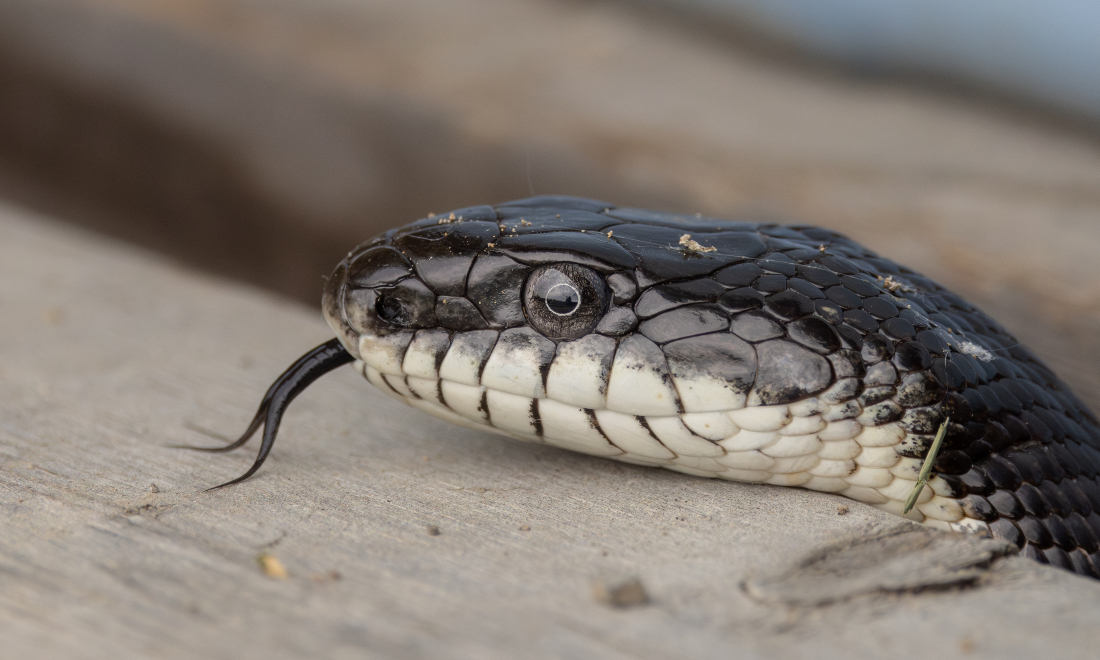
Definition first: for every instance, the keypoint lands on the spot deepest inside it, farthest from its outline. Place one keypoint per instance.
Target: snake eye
(565, 301)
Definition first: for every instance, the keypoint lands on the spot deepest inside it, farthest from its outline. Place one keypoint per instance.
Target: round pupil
(562, 299)
(388, 307)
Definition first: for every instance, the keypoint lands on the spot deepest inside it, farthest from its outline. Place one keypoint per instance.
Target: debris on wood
(271, 566)
(327, 576)
(628, 593)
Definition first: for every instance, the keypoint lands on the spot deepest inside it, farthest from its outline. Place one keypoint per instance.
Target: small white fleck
(893, 286)
(973, 350)
(694, 246)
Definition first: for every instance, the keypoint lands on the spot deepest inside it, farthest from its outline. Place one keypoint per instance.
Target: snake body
(763, 353)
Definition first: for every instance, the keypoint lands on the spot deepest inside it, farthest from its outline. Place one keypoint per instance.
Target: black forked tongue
(306, 369)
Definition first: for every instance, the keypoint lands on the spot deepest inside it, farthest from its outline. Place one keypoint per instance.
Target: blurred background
(261, 139)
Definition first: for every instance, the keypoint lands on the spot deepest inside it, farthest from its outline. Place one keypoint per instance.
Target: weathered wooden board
(110, 548)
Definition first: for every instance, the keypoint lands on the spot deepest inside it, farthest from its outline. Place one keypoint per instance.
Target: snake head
(479, 269)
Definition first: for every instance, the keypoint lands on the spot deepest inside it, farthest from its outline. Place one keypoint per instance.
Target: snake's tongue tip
(220, 486)
(213, 450)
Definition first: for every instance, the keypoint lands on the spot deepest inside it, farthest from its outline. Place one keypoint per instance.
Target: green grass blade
(926, 469)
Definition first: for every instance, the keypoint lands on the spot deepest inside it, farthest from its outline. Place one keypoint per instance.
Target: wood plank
(402, 536)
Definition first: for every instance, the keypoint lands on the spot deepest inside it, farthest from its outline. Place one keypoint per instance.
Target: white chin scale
(621, 404)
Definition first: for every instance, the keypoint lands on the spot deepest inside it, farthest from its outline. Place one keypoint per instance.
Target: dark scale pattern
(814, 312)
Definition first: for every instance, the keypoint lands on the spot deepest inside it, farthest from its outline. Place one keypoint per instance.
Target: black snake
(787, 355)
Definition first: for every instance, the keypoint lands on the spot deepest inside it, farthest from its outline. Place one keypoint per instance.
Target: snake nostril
(389, 309)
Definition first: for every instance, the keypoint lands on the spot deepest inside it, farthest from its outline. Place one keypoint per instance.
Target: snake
(751, 351)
